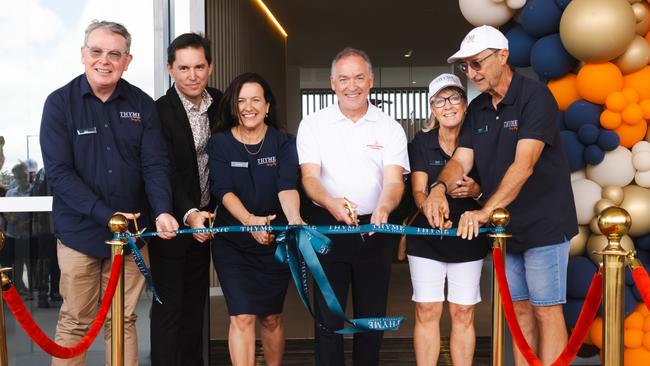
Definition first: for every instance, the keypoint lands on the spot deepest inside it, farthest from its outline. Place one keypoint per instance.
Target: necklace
(246, 148)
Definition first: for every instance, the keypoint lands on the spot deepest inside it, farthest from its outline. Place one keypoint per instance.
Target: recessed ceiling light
(408, 53)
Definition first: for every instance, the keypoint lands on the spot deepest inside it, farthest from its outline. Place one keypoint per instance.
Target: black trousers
(180, 270)
(364, 264)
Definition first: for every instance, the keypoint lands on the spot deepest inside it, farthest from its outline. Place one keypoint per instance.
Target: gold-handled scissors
(137, 230)
(351, 212)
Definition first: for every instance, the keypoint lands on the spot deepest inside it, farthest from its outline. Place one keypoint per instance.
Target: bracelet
(438, 182)
(478, 197)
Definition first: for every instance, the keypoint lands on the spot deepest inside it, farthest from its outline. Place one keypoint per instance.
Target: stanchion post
(614, 223)
(5, 283)
(118, 224)
(500, 218)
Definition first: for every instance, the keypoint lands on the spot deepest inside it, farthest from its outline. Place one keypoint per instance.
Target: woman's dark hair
(228, 107)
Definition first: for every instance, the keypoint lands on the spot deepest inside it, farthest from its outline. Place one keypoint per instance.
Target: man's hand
(379, 216)
(470, 222)
(465, 187)
(436, 208)
(166, 225)
(128, 215)
(337, 207)
(196, 220)
(262, 237)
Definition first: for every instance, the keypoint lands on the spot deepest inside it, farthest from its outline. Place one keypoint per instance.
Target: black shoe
(43, 303)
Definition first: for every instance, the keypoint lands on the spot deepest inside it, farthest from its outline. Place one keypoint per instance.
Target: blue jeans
(539, 274)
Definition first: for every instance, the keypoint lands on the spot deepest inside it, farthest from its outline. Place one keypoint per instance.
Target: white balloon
(578, 174)
(642, 178)
(641, 146)
(485, 12)
(641, 160)
(616, 169)
(585, 194)
(516, 4)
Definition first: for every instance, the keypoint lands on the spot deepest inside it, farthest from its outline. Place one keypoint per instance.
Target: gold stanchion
(613, 222)
(500, 218)
(118, 224)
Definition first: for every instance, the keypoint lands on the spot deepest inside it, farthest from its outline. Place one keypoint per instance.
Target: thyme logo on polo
(512, 125)
(268, 161)
(133, 116)
(375, 145)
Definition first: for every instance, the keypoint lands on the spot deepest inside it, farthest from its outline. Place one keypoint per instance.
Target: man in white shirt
(352, 158)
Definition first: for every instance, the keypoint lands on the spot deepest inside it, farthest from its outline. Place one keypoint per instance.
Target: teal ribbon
(298, 247)
(139, 261)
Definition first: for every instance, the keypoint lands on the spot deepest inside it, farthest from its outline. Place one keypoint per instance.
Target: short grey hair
(111, 27)
(349, 51)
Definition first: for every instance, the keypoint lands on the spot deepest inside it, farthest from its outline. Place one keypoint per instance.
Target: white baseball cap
(444, 81)
(478, 40)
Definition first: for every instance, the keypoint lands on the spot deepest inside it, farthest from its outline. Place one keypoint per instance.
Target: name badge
(86, 131)
(437, 162)
(481, 130)
(239, 164)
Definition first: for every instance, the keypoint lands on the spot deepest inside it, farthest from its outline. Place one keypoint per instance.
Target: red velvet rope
(586, 317)
(15, 303)
(642, 282)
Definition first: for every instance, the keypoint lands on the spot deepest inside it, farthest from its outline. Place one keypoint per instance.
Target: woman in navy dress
(254, 173)
(434, 259)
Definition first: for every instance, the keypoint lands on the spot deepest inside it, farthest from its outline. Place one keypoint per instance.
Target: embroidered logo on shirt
(438, 162)
(133, 116)
(481, 130)
(511, 125)
(268, 161)
(375, 145)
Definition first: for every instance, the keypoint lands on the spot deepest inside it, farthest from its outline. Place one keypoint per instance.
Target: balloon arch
(594, 56)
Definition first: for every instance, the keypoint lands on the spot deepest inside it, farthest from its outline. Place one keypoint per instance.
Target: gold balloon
(599, 242)
(601, 205)
(593, 226)
(614, 194)
(643, 23)
(637, 204)
(597, 30)
(635, 57)
(578, 243)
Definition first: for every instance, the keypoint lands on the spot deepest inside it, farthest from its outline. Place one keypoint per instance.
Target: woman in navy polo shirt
(432, 259)
(254, 173)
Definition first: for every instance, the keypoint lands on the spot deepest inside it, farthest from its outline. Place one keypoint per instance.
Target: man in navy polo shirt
(512, 139)
(104, 154)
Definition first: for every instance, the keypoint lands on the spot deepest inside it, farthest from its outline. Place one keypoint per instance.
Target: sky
(40, 51)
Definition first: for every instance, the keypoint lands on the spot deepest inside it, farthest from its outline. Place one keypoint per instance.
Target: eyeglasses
(453, 99)
(112, 55)
(474, 64)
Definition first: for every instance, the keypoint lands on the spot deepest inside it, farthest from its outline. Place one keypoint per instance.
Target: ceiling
(385, 29)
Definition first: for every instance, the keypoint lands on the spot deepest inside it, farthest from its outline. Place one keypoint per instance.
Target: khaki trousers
(83, 282)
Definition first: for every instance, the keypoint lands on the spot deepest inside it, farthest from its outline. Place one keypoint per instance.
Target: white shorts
(428, 279)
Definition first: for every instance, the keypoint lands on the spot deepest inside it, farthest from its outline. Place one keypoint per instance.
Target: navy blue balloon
(572, 310)
(579, 273)
(636, 294)
(608, 140)
(562, 4)
(593, 154)
(629, 280)
(540, 18)
(573, 149)
(519, 45)
(550, 59)
(588, 134)
(580, 113)
(642, 242)
(559, 120)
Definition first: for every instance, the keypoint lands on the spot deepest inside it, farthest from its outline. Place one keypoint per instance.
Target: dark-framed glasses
(97, 53)
(474, 64)
(453, 99)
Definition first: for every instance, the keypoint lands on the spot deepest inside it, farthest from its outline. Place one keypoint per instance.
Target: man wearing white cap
(514, 144)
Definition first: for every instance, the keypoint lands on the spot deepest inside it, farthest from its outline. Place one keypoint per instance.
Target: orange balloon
(609, 119)
(636, 357)
(632, 114)
(616, 102)
(633, 338)
(631, 95)
(641, 308)
(596, 332)
(634, 321)
(639, 81)
(564, 90)
(631, 134)
(646, 341)
(646, 324)
(596, 81)
(645, 105)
